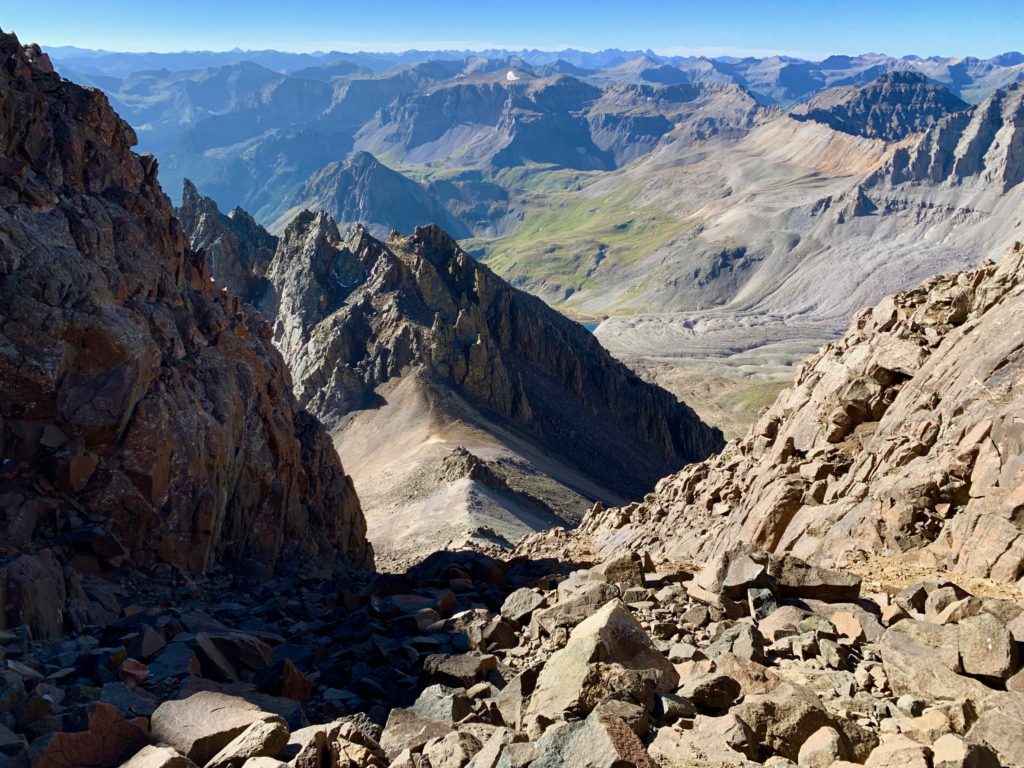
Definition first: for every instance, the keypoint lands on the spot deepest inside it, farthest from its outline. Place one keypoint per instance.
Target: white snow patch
(511, 76)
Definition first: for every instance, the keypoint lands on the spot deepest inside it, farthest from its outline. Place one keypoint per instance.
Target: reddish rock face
(133, 391)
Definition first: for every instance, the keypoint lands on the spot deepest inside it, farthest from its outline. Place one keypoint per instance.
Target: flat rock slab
(203, 724)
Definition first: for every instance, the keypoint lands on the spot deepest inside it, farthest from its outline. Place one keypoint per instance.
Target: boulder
(986, 647)
(1000, 726)
(709, 743)
(108, 741)
(264, 738)
(781, 622)
(711, 692)
(407, 730)
(919, 659)
(625, 569)
(899, 751)
(459, 671)
(158, 757)
(520, 605)
(573, 608)
(511, 700)
(454, 750)
(742, 640)
(952, 751)
(784, 719)
(822, 748)
(572, 680)
(203, 724)
(439, 702)
(600, 741)
(491, 751)
(794, 577)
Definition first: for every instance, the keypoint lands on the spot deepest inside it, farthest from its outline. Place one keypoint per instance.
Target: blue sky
(798, 27)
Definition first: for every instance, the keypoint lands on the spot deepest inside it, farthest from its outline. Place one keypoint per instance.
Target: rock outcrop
(891, 108)
(145, 415)
(903, 436)
(236, 248)
(985, 143)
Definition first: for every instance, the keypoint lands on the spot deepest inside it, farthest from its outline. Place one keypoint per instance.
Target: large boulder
(784, 719)
(203, 724)
(407, 730)
(600, 741)
(987, 648)
(158, 757)
(573, 678)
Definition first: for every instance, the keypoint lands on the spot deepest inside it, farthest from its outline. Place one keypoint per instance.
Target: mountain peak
(895, 105)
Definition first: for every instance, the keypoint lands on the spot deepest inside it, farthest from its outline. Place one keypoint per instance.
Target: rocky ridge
(236, 249)
(983, 143)
(891, 108)
(363, 190)
(902, 437)
(146, 418)
(413, 337)
(354, 313)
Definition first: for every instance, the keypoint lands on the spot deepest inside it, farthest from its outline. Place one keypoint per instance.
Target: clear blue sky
(801, 27)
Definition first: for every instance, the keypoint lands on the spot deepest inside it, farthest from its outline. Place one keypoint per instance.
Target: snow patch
(511, 76)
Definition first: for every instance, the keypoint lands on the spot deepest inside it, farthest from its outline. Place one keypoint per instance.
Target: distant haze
(805, 28)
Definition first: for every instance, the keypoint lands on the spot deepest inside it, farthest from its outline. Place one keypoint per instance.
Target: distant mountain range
(782, 80)
(733, 210)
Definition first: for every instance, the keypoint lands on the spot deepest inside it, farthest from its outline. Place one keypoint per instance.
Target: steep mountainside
(985, 143)
(907, 435)
(144, 412)
(363, 190)
(891, 108)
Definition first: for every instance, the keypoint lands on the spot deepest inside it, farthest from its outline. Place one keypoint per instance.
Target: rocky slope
(891, 108)
(465, 661)
(146, 417)
(902, 437)
(365, 325)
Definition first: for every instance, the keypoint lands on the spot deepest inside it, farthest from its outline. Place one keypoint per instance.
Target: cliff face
(139, 403)
(891, 108)
(353, 314)
(986, 141)
(905, 435)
